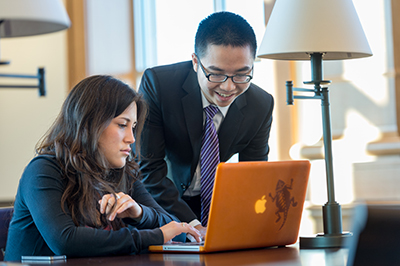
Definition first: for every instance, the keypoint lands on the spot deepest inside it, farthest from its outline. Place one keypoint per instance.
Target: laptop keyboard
(188, 243)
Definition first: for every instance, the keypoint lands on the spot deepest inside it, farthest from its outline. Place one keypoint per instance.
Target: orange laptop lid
(254, 204)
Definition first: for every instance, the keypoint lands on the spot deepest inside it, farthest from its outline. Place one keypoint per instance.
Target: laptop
(254, 205)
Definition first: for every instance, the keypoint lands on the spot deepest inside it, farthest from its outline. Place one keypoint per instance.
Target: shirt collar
(223, 110)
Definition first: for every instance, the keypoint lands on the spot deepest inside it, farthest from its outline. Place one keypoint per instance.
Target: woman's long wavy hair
(74, 140)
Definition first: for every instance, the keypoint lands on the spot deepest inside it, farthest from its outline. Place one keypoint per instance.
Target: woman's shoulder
(43, 171)
(43, 164)
(44, 159)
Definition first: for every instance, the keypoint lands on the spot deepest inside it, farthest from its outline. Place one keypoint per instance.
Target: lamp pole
(331, 211)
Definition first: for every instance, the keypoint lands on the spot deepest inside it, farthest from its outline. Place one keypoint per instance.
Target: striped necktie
(209, 159)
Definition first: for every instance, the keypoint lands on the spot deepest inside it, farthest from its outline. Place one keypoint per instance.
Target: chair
(5, 218)
(376, 236)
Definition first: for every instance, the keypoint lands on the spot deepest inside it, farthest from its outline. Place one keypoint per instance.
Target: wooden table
(285, 256)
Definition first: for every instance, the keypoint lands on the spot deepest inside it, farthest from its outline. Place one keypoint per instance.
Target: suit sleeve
(153, 215)
(153, 166)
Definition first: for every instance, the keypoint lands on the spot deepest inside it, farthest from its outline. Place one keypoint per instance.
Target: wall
(24, 116)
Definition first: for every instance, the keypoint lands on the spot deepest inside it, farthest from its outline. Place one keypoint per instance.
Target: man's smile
(223, 94)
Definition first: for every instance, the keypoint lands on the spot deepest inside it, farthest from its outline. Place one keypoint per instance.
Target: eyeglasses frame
(226, 76)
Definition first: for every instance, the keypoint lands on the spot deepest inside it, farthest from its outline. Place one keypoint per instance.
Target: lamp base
(325, 241)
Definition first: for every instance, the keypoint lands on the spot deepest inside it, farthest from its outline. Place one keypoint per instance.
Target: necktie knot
(211, 111)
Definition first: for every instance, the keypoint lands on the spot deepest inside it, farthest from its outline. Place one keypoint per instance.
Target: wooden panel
(78, 45)
(396, 55)
(76, 42)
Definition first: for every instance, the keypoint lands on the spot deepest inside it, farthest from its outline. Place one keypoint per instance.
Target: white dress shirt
(194, 188)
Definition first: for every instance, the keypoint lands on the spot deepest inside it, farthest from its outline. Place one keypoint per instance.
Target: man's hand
(202, 230)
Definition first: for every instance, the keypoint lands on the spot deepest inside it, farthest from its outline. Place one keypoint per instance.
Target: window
(165, 30)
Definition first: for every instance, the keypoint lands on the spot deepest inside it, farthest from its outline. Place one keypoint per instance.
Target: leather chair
(5, 218)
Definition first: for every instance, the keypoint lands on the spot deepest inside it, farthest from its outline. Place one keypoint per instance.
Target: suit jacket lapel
(231, 125)
(193, 112)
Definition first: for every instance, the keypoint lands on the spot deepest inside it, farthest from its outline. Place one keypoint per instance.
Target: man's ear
(195, 62)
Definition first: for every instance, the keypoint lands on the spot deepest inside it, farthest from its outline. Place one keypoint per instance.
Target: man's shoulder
(173, 75)
(259, 100)
(257, 92)
(180, 66)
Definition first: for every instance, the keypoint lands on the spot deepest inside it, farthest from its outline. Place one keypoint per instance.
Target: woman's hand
(173, 229)
(122, 207)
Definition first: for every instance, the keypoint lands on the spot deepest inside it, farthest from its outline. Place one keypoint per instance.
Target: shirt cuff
(194, 223)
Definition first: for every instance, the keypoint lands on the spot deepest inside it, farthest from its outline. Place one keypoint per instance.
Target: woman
(81, 195)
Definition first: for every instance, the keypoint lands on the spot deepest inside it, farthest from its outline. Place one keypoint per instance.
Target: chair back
(5, 218)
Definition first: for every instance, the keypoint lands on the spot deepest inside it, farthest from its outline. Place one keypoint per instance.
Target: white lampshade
(32, 17)
(298, 28)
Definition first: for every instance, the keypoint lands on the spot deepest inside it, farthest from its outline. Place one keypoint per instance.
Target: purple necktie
(209, 159)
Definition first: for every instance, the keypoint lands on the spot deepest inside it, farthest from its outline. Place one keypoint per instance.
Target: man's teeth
(224, 95)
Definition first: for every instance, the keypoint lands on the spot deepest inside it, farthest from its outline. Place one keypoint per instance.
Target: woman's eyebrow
(127, 119)
(124, 118)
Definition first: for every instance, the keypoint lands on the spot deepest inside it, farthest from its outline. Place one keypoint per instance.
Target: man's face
(223, 60)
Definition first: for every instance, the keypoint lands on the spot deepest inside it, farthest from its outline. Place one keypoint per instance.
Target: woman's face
(116, 139)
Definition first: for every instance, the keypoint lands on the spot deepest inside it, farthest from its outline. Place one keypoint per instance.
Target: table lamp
(317, 30)
(26, 18)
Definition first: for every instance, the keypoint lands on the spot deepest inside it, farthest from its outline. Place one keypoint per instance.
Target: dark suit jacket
(172, 134)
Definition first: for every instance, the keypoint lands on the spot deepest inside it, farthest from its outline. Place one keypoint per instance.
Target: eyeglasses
(220, 78)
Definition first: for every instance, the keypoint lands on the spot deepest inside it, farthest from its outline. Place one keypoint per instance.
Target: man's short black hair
(224, 28)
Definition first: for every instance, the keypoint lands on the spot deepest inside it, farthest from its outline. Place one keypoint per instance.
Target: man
(219, 74)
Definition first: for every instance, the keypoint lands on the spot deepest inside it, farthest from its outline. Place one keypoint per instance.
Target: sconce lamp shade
(31, 17)
(298, 28)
